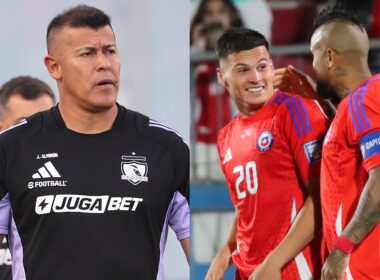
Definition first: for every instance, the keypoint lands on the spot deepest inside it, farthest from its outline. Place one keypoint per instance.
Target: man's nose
(103, 62)
(254, 76)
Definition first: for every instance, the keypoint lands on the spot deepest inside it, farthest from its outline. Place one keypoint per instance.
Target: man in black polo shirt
(93, 185)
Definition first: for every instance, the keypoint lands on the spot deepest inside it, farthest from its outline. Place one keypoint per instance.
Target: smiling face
(85, 62)
(248, 77)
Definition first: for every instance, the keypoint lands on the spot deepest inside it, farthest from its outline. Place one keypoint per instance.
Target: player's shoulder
(297, 107)
(154, 130)
(289, 102)
(366, 92)
(363, 104)
(225, 131)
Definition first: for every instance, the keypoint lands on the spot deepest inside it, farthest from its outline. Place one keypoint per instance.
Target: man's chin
(326, 91)
(100, 106)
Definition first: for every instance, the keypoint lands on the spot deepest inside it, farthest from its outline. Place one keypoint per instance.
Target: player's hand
(335, 266)
(217, 269)
(294, 81)
(266, 270)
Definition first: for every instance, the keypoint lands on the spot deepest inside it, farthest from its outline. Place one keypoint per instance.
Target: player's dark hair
(239, 39)
(334, 13)
(28, 87)
(79, 16)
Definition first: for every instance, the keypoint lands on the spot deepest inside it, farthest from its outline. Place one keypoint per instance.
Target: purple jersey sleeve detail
(178, 217)
(5, 212)
(15, 247)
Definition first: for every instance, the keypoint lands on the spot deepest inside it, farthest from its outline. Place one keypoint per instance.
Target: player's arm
(366, 216)
(306, 223)
(5, 212)
(185, 243)
(223, 259)
(179, 221)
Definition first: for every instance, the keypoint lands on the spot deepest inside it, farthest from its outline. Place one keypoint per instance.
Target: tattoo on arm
(366, 215)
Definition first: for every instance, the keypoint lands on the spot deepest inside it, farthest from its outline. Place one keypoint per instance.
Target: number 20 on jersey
(247, 173)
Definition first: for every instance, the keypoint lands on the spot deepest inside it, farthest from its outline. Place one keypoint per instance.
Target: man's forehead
(88, 33)
(249, 56)
(79, 36)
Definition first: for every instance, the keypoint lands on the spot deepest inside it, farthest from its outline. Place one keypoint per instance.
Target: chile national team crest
(264, 141)
(134, 169)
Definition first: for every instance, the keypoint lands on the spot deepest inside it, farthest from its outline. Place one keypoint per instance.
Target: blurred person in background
(211, 19)
(20, 98)
(270, 155)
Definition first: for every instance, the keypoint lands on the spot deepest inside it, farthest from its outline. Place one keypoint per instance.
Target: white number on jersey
(248, 173)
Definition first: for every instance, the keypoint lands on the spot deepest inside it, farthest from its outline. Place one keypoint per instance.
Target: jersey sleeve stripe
(298, 111)
(305, 115)
(154, 123)
(352, 113)
(293, 116)
(22, 122)
(357, 110)
(279, 98)
(361, 105)
(300, 115)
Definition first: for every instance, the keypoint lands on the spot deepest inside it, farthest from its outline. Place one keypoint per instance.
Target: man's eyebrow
(109, 46)
(263, 59)
(240, 64)
(91, 48)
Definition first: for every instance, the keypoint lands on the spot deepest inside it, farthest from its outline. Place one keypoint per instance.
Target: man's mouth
(256, 89)
(106, 82)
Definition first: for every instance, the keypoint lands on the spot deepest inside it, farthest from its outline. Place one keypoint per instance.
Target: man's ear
(53, 67)
(271, 64)
(219, 76)
(331, 58)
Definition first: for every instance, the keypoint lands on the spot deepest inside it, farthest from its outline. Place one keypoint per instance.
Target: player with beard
(350, 172)
(270, 155)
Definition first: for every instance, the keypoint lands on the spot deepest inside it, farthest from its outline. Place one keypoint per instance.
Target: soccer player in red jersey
(270, 154)
(350, 173)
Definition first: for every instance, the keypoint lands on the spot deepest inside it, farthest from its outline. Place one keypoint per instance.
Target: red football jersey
(266, 159)
(352, 148)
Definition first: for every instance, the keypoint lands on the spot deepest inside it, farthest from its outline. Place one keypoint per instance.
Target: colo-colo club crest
(134, 169)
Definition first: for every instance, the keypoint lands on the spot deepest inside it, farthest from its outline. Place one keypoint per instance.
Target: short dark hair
(79, 16)
(28, 87)
(334, 13)
(239, 39)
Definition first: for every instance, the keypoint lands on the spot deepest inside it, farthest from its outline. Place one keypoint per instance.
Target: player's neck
(86, 122)
(353, 80)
